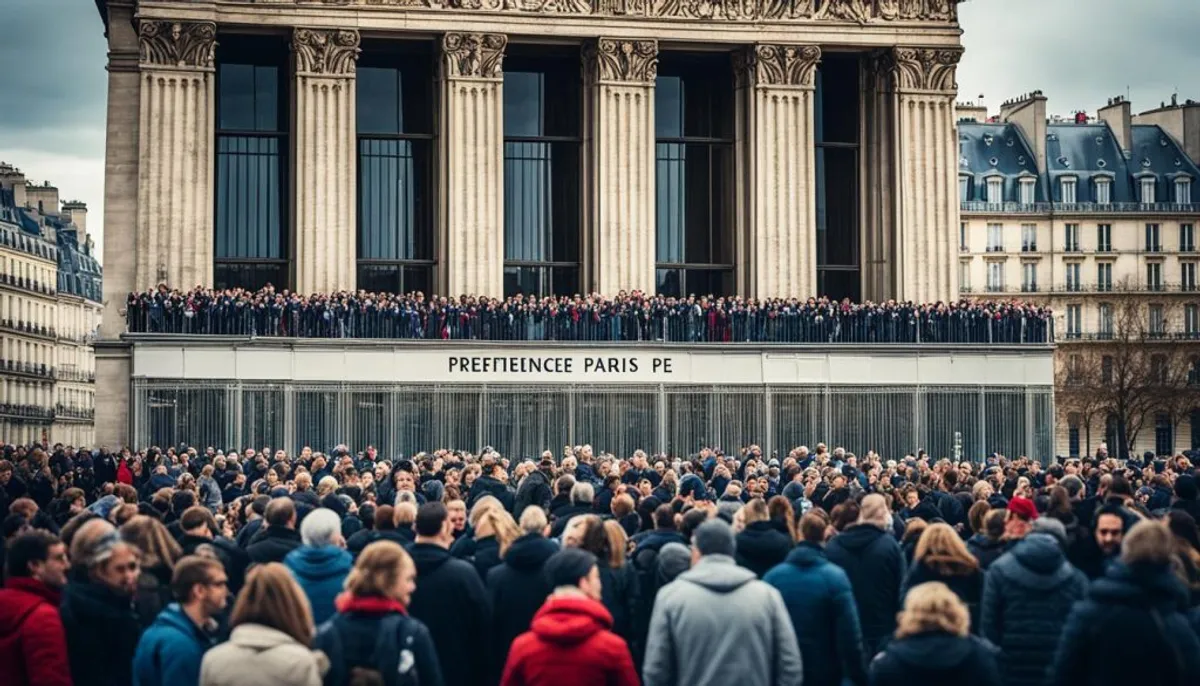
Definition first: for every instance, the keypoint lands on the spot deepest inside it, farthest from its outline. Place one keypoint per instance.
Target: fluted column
(175, 148)
(879, 174)
(783, 216)
(621, 76)
(324, 202)
(928, 167)
(472, 142)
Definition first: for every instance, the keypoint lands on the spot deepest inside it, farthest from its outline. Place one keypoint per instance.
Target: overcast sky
(1080, 52)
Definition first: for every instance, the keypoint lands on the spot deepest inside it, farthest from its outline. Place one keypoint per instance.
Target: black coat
(453, 603)
(361, 539)
(234, 558)
(357, 635)
(517, 589)
(620, 594)
(564, 515)
(1027, 595)
(760, 546)
(985, 550)
(935, 659)
(483, 553)
(486, 485)
(1130, 629)
(534, 490)
(968, 587)
(102, 633)
(274, 545)
(873, 561)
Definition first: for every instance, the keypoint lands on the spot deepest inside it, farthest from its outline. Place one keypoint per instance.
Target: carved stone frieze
(859, 11)
(926, 69)
(785, 65)
(177, 43)
(474, 54)
(618, 59)
(328, 52)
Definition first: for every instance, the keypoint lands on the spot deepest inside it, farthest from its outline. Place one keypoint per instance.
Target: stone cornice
(617, 59)
(784, 65)
(926, 69)
(325, 52)
(177, 44)
(473, 55)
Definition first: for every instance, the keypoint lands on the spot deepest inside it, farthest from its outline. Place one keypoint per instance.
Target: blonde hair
(154, 540)
(929, 607)
(533, 520)
(941, 549)
(326, 485)
(755, 511)
(271, 597)
(496, 521)
(617, 540)
(482, 505)
(377, 570)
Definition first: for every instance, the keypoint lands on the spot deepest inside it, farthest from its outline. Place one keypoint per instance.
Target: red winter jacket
(124, 473)
(570, 642)
(33, 646)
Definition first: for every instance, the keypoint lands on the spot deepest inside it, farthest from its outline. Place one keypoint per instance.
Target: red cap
(1023, 508)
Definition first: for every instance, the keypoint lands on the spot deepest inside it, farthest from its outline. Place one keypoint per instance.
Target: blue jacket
(1027, 595)
(819, 600)
(873, 561)
(321, 573)
(170, 651)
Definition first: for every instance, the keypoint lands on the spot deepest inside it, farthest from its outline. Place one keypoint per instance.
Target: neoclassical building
(758, 147)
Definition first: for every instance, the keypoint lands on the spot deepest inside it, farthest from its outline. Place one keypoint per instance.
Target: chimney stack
(1119, 117)
(969, 111)
(12, 179)
(43, 198)
(75, 212)
(1028, 112)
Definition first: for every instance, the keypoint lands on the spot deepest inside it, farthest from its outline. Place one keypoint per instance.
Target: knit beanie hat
(673, 559)
(568, 566)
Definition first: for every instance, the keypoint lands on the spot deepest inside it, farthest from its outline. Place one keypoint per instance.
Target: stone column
(620, 75)
(927, 162)
(879, 177)
(324, 159)
(471, 135)
(782, 148)
(175, 148)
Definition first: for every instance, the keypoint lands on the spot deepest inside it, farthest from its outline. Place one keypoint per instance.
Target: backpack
(391, 663)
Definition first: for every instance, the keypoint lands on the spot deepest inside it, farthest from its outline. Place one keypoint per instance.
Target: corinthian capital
(927, 69)
(177, 43)
(327, 52)
(619, 59)
(786, 65)
(474, 54)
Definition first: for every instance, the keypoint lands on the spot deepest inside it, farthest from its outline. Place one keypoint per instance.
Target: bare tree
(1079, 394)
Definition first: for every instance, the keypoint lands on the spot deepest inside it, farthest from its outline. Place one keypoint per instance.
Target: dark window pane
(521, 281)
(671, 205)
(379, 101)
(379, 278)
(669, 282)
(394, 216)
(236, 97)
(564, 280)
(266, 99)
(668, 107)
(418, 278)
(837, 99)
(523, 103)
(837, 206)
(249, 275)
(838, 284)
(248, 215)
(541, 201)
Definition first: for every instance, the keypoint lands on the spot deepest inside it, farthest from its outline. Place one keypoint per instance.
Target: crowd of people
(633, 316)
(192, 566)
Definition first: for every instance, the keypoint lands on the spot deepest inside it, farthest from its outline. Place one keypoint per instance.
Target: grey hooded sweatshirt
(718, 624)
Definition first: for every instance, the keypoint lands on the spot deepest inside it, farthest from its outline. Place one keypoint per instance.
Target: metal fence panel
(263, 416)
(690, 421)
(416, 419)
(951, 422)
(876, 419)
(317, 419)
(196, 417)
(616, 421)
(370, 418)
(523, 422)
(459, 412)
(797, 417)
(1004, 421)
(740, 417)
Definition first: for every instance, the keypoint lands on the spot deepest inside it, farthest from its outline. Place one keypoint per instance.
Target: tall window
(1073, 435)
(964, 188)
(1183, 191)
(1106, 369)
(694, 138)
(838, 116)
(995, 276)
(1074, 320)
(250, 221)
(395, 169)
(1104, 238)
(1148, 188)
(542, 111)
(1164, 439)
(1187, 276)
(1029, 277)
(1153, 238)
(1068, 190)
(963, 246)
(1071, 237)
(1158, 320)
(964, 277)
(1191, 320)
(995, 238)
(1074, 283)
(1154, 276)
(995, 190)
(1027, 188)
(1106, 320)
(1029, 237)
(1187, 238)
(1104, 191)
(1104, 276)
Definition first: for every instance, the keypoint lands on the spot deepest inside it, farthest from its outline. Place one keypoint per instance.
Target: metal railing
(40, 371)
(1079, 207)
(521, 421)
(26, 411)
(74, 412)
(28, 328)
(26, 284)
(70, 374)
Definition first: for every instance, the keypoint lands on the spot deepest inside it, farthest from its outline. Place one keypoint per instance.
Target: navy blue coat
(820, 602)
(968, 587)
(935, 659)
(453, 603)
(873, 561)
(518, 588)
(1131, 629)
(1027, 595)
(985, 550)
(760, 546)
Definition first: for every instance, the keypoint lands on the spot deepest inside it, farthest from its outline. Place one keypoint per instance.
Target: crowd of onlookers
(192, 566)
(632, 316)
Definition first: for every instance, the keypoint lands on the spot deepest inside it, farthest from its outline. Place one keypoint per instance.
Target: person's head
(533, 521)
(573, 570)
(1021, 513)
(813, 528)
(322, 527)
(404, 516)
(582, 493)
(38, 555)
(433, 525)
(940, 548)
(403, 478)
(932, 607)
(281, 512)
(994, 523)
(664, 518)
(154, 540)
(98, 549)
(385, 570)
(1149, 543)
(200, 583)
(271, 597)
(385, 518)
(713, 537)
(975, 515)
(564, 484)
(755, 511)
(457, 510)
(1110, 529)
(621, 506)
(198, 521)
(874, 511)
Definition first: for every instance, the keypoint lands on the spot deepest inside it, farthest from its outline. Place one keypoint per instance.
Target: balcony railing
(26, 412)
(28, 328)
(1109, 336)
(1080, 207)
(74, 412)
(75, 375)
(37, 371)
(25, 283)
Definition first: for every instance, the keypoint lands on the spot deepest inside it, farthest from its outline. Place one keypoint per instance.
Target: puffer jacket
(33, 646)
(760, 546)
(985, 550)
(278, 659)
(570, 642)
(1027, 595)
(170, 651)
(321, 572)
(935, 659)
(873, 561)
(518, 589)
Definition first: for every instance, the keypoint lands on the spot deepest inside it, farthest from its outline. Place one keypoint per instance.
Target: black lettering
(566, 364)
(656, 365)
(633, 365)
(667, 365)
(454, 363)
(476, 365)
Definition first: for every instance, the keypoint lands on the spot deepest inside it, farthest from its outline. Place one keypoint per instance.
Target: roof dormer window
(1148, 188)
(1027, 188)
(1068, 186)
(1183, 191)
(995, 190)
(1104, 191)
(964, 188)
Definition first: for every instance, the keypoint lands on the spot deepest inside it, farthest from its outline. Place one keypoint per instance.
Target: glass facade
(395, 168)
(694, 168)
(250, 222)
(542, 162)
(837, 113)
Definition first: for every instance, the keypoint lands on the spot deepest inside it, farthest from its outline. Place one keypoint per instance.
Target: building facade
(50, 292)
(1096, 217)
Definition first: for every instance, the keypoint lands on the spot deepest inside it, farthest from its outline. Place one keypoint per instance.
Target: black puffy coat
(760, 546)
(483, 553)
(985, 550)
(564, 515)
(935, 659)
(102, 633)
(1132, 628)
(1027, 595)
(968, 587)
(273, 545)
(453, 603)
(517, 589)
(873, 561)
(534, 490)
(620, 594)
(486, 485)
